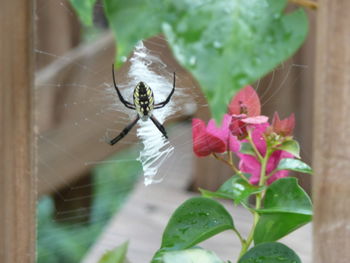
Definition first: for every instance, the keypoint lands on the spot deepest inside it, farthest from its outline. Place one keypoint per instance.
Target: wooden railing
(17, 146)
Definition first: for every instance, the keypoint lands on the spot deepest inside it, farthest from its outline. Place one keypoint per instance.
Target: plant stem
(229, 153)
(250, 139)
(240, 237)
(305, 3)
(259, 197)
(231, 165)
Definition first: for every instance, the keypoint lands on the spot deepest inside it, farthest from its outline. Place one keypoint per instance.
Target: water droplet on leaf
(217, 44)
(193, 60)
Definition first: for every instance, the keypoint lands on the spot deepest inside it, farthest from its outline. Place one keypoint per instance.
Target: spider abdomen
(143, 100)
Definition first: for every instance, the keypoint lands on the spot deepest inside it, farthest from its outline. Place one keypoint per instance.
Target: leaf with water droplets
(225, 44)
(235, 188)
(291, 146)
(272, 252)
(294, 165)
(132, 21)
(286, 208)
(196, 220)
(240, 43)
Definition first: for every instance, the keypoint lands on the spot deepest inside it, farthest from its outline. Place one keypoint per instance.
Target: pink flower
(245, 109)
(283, 127)
(211, 139)
(251, 165)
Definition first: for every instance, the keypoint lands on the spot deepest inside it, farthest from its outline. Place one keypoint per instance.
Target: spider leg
(159, 126)
(124, 132)
(126, 103)
(162, 104)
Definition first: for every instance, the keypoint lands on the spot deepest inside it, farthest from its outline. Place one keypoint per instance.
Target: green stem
(271, 173)
(250, 139)
(231, 165)
(239, 236)
(258, 201)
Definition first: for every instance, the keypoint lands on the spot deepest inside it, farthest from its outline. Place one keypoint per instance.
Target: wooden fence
(17, 146)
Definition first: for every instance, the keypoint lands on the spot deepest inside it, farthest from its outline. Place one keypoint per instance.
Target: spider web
(159, 158)
(156, 148)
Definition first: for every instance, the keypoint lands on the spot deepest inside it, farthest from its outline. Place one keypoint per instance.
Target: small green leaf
(196, 220)
(117, 255)
(84, 9)
(294, 165)
(286, 208)
(132, 21)
(235, 189)
(290, 146)
(217, 194)
(270, 253)
(247, 148)
(187, 256)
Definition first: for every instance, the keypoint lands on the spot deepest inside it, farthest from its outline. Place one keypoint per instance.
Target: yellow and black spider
(143, 104)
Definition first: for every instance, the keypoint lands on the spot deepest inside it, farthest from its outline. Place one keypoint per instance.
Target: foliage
(236, 189)
(117, 255)
(85, 10)
(270, 252)
(194, 221)
(286, 207)
(236, 42)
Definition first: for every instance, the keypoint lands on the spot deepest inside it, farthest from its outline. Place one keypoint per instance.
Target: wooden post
(17, 186)
(331, 144)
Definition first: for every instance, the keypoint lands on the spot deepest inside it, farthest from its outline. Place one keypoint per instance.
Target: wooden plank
(53, 17)
(17, 186)
(331, 144)
(145, 215)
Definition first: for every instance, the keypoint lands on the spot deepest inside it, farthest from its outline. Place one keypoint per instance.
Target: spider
(143, 104)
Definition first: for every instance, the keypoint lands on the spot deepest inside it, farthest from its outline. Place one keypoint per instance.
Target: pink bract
(245, 111)
(250, 164)
(246, 101)
(283, 127)
(211, 139)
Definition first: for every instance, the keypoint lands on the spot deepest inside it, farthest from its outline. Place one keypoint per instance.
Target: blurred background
(91, 195)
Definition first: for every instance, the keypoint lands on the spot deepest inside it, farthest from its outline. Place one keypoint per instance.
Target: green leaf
(286, 208)
(84, 9)
(117, 255)
(188, 256)
(247, 148)
(294, 165)
(228, 44)
(225, 44)
(132, 21)
(196, 220)
(235, 189)
(270, 253)
(290, 146)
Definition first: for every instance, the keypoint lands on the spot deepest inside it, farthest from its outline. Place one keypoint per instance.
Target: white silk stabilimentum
(156, 148)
